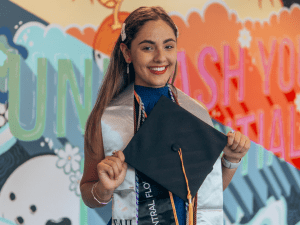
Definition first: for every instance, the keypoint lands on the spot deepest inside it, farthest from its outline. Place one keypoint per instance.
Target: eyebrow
(152, 42)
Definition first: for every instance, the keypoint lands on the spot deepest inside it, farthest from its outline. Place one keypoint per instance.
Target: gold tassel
(173, 207)
(189, 196)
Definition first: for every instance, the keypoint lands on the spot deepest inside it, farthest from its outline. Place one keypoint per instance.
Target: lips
(158, 72)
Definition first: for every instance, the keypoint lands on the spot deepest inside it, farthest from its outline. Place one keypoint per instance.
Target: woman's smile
(157, 70)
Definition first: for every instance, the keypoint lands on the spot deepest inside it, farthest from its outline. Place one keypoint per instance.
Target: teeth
(158, 68)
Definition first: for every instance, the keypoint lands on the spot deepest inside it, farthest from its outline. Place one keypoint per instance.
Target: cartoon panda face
(20, 219)
(38, 192)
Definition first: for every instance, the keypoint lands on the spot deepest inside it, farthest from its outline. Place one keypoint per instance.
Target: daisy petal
(77, 157)
(60, 163)
(75, 165)
(67, 168)
(61, 153)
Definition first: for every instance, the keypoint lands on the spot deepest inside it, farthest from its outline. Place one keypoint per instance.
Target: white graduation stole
(117, 125)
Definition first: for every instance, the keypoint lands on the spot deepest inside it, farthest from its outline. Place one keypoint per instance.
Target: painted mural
(240, 58)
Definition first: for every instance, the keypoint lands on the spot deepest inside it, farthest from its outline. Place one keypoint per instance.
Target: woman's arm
(236, 148)
(90, 174)
(108, 173)
(227, 175)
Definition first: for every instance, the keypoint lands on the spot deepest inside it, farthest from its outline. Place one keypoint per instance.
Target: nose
(160, 55)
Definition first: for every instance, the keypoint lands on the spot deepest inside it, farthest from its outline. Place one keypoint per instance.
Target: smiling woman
(142, 69)
(153, 54)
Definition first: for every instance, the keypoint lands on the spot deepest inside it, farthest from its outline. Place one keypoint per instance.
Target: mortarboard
(168, 132)
(154, 148)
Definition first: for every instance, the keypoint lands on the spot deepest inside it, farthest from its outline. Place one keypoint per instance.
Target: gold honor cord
(173, 207)
(189, 196)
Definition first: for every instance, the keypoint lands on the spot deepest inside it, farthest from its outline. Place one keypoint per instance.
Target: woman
(147, 51)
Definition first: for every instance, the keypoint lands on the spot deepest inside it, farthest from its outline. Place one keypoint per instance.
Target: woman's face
(153, 54)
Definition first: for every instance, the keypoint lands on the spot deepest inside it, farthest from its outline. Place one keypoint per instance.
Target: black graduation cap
(154, 148)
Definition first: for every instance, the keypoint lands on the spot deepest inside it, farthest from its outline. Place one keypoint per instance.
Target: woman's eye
(147, 48)
(169, 47)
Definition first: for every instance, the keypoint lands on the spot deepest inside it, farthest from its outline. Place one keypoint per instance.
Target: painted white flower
(69, 158)
(75, 179)
(244, 38)
(297, 102)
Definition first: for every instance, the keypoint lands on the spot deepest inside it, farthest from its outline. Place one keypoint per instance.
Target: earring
(127, 68)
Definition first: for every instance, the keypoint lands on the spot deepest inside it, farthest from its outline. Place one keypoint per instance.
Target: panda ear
(12, 196)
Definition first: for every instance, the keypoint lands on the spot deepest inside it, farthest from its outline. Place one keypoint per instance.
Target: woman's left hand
(237, 146)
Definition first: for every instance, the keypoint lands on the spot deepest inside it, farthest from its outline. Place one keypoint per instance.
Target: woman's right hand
(111, 172)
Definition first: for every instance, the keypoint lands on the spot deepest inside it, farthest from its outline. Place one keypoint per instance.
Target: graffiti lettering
(206, 76)
(267, 64)
(66, 73)
(229, 74)
(282, 84)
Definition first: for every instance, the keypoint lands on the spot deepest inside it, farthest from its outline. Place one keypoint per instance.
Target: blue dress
(150, 97)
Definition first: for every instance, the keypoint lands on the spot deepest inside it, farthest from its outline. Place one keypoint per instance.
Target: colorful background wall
(241, 58)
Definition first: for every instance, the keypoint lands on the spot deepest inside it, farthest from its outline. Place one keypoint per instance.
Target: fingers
(241, 144)
(105, 169)
(232, 154)
(123, 173)
(237, 145)
(120, 155)
(234, 140)
(113, 165)
(231, 137)
(247, 144)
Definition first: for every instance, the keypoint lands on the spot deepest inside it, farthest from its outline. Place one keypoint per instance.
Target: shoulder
(202, 104)
(182, 97)
(124, 98)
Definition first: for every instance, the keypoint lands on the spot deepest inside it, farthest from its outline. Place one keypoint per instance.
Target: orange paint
(217, 29)
(106, 37)
(87, 36)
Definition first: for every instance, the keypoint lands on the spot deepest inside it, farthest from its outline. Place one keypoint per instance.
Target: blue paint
(254, 179)
(94, 218)
(7, 145)
(292, 174)
(269, 178)
(3, 57)
(242, 192)
(53, 43)
(22, 51)
(230, 205)
(3, 97)
(280, 177)
(6, 221)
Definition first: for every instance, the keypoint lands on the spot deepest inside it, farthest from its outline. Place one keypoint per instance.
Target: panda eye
(12, 196)
(33, 208)
(20, 220)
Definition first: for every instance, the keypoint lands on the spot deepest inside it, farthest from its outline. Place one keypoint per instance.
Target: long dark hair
(115, 79)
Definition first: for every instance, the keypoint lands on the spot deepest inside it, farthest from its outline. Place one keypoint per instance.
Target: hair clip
(123, 34)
